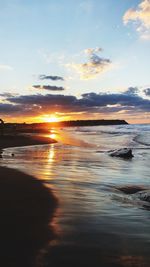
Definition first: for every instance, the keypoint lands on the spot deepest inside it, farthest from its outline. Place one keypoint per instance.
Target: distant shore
(46, 126)
(23, 140)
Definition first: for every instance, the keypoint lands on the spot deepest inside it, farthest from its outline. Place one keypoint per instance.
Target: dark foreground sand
(26, 210)
(23, 140)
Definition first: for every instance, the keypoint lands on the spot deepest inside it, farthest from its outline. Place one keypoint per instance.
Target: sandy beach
(27, 208)
(23, 140)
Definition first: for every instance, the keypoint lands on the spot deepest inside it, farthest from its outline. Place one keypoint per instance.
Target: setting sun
(51, 118)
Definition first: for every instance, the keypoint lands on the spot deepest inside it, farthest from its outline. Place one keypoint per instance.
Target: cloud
(53, 78)
(43, 100)
(141, 17)
(95, 65)
(131, 91)
(89, 103)
(9, 108)
(5, 95)
(5, 68)
(49, 87)
(147, 92)
(122, 100)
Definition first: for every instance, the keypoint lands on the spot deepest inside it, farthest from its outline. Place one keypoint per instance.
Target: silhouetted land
(45, 127)
(90, 123)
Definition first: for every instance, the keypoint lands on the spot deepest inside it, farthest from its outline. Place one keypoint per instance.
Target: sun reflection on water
(53, 135)
(51, 154)
(68, 138)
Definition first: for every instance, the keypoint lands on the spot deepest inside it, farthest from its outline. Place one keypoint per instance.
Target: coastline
(27, 208)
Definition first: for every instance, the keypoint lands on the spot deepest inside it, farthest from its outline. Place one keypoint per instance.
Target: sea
(101, 219)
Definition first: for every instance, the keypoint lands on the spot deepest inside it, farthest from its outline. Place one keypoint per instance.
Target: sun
(51, 118)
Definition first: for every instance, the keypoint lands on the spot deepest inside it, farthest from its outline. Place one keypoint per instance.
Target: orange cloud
(141, 16)
(95, 65)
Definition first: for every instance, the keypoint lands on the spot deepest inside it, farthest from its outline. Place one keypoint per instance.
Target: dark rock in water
(125, 153)
(129, 189)
(144, 195)
(139, 192)
(12, 154)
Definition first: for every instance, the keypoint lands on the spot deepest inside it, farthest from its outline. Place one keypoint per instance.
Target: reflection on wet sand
(27, 208)
(82, 256)
(69, 139)
(132, 260)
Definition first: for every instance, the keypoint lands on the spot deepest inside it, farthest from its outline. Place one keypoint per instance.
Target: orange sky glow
(53, 117)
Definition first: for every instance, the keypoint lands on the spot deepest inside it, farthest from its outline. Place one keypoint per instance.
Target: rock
(130, 189)
(125, 153)
(144, 195)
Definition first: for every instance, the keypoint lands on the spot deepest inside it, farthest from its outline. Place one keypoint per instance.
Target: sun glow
(51, 118)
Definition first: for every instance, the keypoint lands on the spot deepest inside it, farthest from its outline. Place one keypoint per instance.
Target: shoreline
(7, 141)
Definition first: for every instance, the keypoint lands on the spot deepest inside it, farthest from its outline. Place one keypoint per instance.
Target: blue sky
(52, 37)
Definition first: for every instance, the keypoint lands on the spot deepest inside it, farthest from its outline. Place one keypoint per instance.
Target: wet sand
(23, 140)
(26, 209)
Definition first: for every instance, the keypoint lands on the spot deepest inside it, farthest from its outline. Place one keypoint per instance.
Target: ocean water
(96, 222)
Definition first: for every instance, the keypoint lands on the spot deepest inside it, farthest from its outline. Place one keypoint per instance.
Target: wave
(130, 189)
(143, 139)
(135, 195)
(113, 130)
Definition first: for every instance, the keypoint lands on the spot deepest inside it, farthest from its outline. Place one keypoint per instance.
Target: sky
(66, 59)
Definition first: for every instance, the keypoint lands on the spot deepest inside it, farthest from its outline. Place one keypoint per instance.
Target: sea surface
(97, 223)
